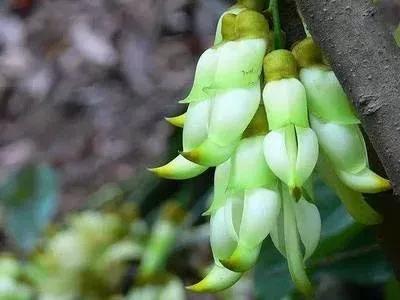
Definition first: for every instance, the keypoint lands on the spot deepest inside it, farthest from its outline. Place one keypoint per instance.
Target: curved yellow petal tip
(179, 169)
(177, 121)
(242, 259)
(365, 181)
(210, 153)
(218, 279)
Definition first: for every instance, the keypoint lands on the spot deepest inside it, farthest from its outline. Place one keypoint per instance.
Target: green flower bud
(234, 10)
(345, 147)
(354, 202)
(307, 53)
(228, 29)
(257, 5)
(218, 279)
(280, 64)
(251, 24)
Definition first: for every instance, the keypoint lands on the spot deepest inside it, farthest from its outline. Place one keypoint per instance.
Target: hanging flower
(335, 123)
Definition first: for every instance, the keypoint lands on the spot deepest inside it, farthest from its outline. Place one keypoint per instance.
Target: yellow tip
(177, 121)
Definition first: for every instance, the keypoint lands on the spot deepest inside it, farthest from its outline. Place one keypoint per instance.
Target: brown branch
(364, 56)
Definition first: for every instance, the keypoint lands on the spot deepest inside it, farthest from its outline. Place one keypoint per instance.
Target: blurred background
(84, 89)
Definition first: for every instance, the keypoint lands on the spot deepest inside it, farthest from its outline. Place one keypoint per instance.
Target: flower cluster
(268, 120)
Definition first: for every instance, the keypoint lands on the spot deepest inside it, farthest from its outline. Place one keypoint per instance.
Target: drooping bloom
(335, 122)
(224, 97)
(245, 209)
(291, 147)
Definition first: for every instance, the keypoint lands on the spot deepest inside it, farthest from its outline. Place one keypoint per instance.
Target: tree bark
(366, 60)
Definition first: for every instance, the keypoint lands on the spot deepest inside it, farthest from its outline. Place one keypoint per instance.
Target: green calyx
(280, 64)
(247, 24)
(257, 5)
(307, 53)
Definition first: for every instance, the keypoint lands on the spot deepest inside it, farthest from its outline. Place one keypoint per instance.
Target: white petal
(285, 103)
(325, 96)
(260, 211)
(249, 168)
(240, 63)
(277, 234)
(309, 225)
(231, 113)
(221, 180)
(307, 154)
(233, 214)
(343, 144)
(222, 243)
(204, 76)
(196, 124)
(276, 154)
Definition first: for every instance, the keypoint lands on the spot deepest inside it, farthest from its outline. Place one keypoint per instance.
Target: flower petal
(233, 214)
(285, 102)
(221, 179)
(293, 251)
(365, 181)
(210, 154)
(178, 121)
(354, 202)
(276, 154)
(343, 144)
(249, 168)
(242, 259)
(309, 225)
(204, 76)
(260, 212)
(179, 168)
(196, 124)
(325, 96)
(307, 154)
(222, 243)
(218, 279)
(231, 113)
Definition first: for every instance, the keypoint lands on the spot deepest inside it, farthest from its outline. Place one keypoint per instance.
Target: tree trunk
(364, 56)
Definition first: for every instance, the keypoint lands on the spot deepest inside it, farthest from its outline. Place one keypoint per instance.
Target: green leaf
(30, 199)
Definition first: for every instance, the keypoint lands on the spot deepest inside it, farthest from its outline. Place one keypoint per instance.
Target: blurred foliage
(129, 243)
(29, 200)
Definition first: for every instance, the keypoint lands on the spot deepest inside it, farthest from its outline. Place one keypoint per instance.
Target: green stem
(274, 9)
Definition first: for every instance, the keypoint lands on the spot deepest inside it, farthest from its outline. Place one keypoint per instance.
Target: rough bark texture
(363, 54)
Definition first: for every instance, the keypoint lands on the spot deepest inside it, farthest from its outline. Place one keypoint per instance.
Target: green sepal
(364, 181)
(178, 121)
